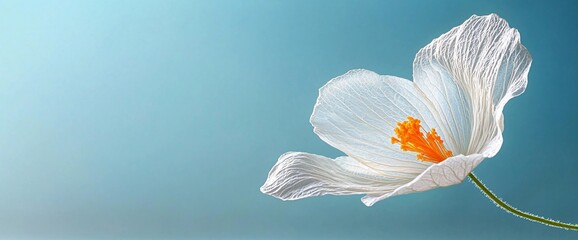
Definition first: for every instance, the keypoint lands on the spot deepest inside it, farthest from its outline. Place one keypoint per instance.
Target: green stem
(512, 210)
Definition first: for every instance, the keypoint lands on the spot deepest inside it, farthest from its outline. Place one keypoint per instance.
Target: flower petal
(357, 114)
(449, 172)
(469, 74)
(299, 175)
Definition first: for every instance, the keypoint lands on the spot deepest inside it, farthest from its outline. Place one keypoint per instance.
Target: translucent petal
(357, 113)
(299, 175)
(449, 172)
(469, 74)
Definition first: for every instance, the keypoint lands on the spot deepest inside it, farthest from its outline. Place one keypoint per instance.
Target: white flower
(462, 80)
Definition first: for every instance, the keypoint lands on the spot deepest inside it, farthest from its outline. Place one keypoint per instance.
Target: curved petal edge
(482, 63)
(298, 175)
(449, 172)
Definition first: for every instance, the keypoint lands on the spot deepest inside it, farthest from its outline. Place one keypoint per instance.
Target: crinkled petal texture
(358, 112)
(299, 175)
(463, 79)
(449, 172)
(469, 74)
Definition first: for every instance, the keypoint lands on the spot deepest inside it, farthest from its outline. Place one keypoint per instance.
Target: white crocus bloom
(462, 80)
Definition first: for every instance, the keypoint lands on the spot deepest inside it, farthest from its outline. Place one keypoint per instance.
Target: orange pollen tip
(429, 148)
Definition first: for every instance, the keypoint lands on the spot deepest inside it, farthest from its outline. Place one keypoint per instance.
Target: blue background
(161, 119)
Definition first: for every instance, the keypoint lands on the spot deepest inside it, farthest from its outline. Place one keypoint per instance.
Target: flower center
(429, 148)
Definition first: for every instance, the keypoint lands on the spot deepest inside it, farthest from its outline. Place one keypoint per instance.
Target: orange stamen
(429, 148)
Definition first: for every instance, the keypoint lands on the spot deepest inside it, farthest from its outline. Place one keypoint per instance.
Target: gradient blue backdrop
(161, 119)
